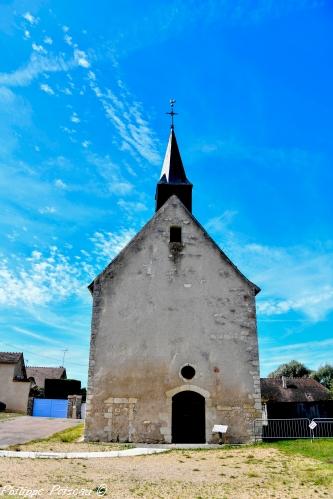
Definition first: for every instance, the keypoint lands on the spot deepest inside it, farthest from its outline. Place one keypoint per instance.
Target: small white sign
(219, 428)
(312, 425)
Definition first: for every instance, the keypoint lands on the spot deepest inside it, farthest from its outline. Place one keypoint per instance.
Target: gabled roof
(173, 171)
(40, 374)
(159, 213)
(10, 357)
(298, 390)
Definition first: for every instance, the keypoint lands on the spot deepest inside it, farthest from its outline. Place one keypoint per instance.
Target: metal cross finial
(171, 112)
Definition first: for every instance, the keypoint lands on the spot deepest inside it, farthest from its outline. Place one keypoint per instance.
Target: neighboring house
(14, 385)
(38, 375)
(285, 398)
(174, 346)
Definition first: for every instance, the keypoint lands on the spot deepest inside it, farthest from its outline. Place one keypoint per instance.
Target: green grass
(68, 435)
(6, 416)
(317, 449)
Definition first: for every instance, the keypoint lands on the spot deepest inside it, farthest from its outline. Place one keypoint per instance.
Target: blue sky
(83, 91)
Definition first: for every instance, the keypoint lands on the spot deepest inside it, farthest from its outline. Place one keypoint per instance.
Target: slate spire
(173, 177)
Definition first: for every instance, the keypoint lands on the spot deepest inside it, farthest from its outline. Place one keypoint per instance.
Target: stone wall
(157, 308)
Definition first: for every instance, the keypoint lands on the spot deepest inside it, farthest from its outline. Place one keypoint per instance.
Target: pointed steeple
(173, 170)
(173, 177)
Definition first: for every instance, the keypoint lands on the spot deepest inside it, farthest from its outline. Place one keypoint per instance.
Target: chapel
(174, 347)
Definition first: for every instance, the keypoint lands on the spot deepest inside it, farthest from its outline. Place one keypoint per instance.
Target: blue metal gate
(50, 408)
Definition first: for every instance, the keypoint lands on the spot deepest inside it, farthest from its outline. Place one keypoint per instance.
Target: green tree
(292, 369)
(324, 375)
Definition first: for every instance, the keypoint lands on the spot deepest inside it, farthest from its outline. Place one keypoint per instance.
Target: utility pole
(63, 357)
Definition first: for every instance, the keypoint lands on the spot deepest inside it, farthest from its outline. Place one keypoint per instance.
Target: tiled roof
(297, 390)
(41, 373)
(10, 357)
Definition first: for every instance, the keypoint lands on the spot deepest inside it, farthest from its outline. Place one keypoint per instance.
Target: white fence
(278, 429)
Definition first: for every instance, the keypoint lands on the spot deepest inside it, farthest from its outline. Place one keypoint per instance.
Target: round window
(188, 372)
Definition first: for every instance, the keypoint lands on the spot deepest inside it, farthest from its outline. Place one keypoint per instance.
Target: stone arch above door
(183, 388)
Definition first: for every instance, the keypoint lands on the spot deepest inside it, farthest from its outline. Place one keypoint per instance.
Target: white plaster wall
(14, 394)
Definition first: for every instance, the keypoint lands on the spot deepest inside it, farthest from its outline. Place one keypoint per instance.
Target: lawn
(292, 470)
(321, 449)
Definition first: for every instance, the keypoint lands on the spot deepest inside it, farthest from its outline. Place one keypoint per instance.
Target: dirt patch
(69, 447)
(249, 472)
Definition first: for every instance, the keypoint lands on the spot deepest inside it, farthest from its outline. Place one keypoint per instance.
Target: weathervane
(171, 112)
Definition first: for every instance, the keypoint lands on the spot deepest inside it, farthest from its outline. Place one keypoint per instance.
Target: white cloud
(81, 58)
(37, 281)
(39, 337)
(233, 149)
(46, 88)
(292, 279)
(108, 244)
(126, 116)
(68, 39)
(15, 114)
(37, 65)
(110, 172)
(220, 223)
(48, 40)
(314, 304)
(52, 276)
(30, 18)
(38, 48)
(26, 34)
(132, 207)
(74, 118)
(311, 353)
(60, 184)
(47, 210)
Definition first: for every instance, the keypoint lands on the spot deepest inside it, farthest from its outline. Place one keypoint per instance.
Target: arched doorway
(188, 418)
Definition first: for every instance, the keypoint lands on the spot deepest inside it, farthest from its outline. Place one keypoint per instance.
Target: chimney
(284, 381)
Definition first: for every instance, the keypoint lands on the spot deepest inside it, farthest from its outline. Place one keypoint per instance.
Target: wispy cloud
(132, 207)
(234, 149)
(46, 210)
(36, 336)
(126, 115)
(30, 18)
(221, 222)
(38, 48)
(48, 40)
(116, 182)
(109, 244)
(81, 58)
(36, 65)
(74, 118)
(15, 114)
(53, 276)
(295, 279)
(60, 184)
(46, 88)
(311, 353)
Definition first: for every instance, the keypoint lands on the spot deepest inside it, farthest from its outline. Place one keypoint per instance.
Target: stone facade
(162, 305)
